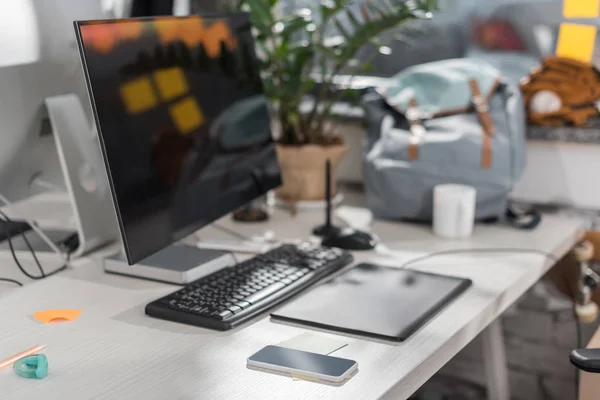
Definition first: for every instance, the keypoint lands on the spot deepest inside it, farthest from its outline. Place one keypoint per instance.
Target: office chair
(587, 360)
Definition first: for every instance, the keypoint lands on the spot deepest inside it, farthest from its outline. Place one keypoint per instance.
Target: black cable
(15, 258)
(27, 243)
(11, 281)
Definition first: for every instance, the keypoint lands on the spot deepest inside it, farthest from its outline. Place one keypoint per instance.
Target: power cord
(27, 243)
(43, 275)
(499, 250)
(11, 281)
(37, 230)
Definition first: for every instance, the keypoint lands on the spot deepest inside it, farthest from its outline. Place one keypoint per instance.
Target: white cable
(37, 230)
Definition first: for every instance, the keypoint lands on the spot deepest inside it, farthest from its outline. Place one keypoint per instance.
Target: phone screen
(303, 361)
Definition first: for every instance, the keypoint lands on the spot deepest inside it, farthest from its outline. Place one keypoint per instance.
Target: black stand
(341, 238)
(328, 229)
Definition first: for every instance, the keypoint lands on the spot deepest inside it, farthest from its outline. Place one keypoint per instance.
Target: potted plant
(303, 54)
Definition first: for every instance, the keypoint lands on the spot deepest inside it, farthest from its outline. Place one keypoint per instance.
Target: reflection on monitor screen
(182, 119)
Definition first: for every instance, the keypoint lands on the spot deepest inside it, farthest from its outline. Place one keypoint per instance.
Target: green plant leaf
(294, 59)
(293, 25)
(377, 25)
(330, 8)
(352, 18)
(261, 13)
(341, 28)
(376, 7)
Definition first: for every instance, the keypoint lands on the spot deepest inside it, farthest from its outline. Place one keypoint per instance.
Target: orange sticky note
(581, 8)
(48, 316)
(576, 42)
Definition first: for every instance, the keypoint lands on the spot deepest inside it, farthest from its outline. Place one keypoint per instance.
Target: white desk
(113, 351)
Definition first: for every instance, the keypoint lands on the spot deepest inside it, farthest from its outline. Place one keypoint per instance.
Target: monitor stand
(88, 191)
(178, 264)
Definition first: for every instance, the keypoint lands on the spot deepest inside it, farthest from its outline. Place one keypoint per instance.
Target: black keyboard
(236, 294)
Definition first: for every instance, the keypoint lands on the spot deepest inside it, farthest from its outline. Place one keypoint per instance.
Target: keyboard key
(222, 315)
(235, 309)
(290, 271)
(243, 304)
(266, 292)
(245, 294)
(287, 281)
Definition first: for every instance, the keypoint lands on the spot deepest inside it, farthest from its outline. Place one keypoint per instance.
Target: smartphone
(310, 365)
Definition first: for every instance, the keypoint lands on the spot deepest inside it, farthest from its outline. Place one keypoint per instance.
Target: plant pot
(303, 171)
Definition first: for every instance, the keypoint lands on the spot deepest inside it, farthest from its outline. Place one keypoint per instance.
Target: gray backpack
(452, 121)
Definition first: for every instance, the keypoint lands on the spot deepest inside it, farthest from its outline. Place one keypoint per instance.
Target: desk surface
(113, 351)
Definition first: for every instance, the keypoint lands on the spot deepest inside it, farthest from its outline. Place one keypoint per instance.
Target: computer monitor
(182, 120)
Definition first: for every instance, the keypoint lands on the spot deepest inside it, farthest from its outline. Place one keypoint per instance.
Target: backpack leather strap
(416, 129)
(482, 109)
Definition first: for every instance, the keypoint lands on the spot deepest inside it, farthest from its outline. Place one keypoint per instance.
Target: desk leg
(494, 362)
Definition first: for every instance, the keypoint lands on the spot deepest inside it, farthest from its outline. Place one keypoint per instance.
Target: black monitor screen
(182, 120)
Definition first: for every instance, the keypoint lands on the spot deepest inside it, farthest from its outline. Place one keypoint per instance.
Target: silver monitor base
(176, 264)
(85, 177)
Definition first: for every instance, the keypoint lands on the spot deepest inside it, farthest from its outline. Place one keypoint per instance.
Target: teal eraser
(32, 367)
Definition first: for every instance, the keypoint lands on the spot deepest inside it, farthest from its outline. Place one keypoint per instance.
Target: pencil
(29, 352)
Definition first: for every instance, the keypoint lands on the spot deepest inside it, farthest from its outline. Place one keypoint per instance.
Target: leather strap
(416, 129)
(482, 109)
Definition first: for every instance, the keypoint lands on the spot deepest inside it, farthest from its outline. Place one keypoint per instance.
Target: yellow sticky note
(581, 8)
(48, 316)
(576, 41)
(138, 95)
(171, 83)
(187, 115)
